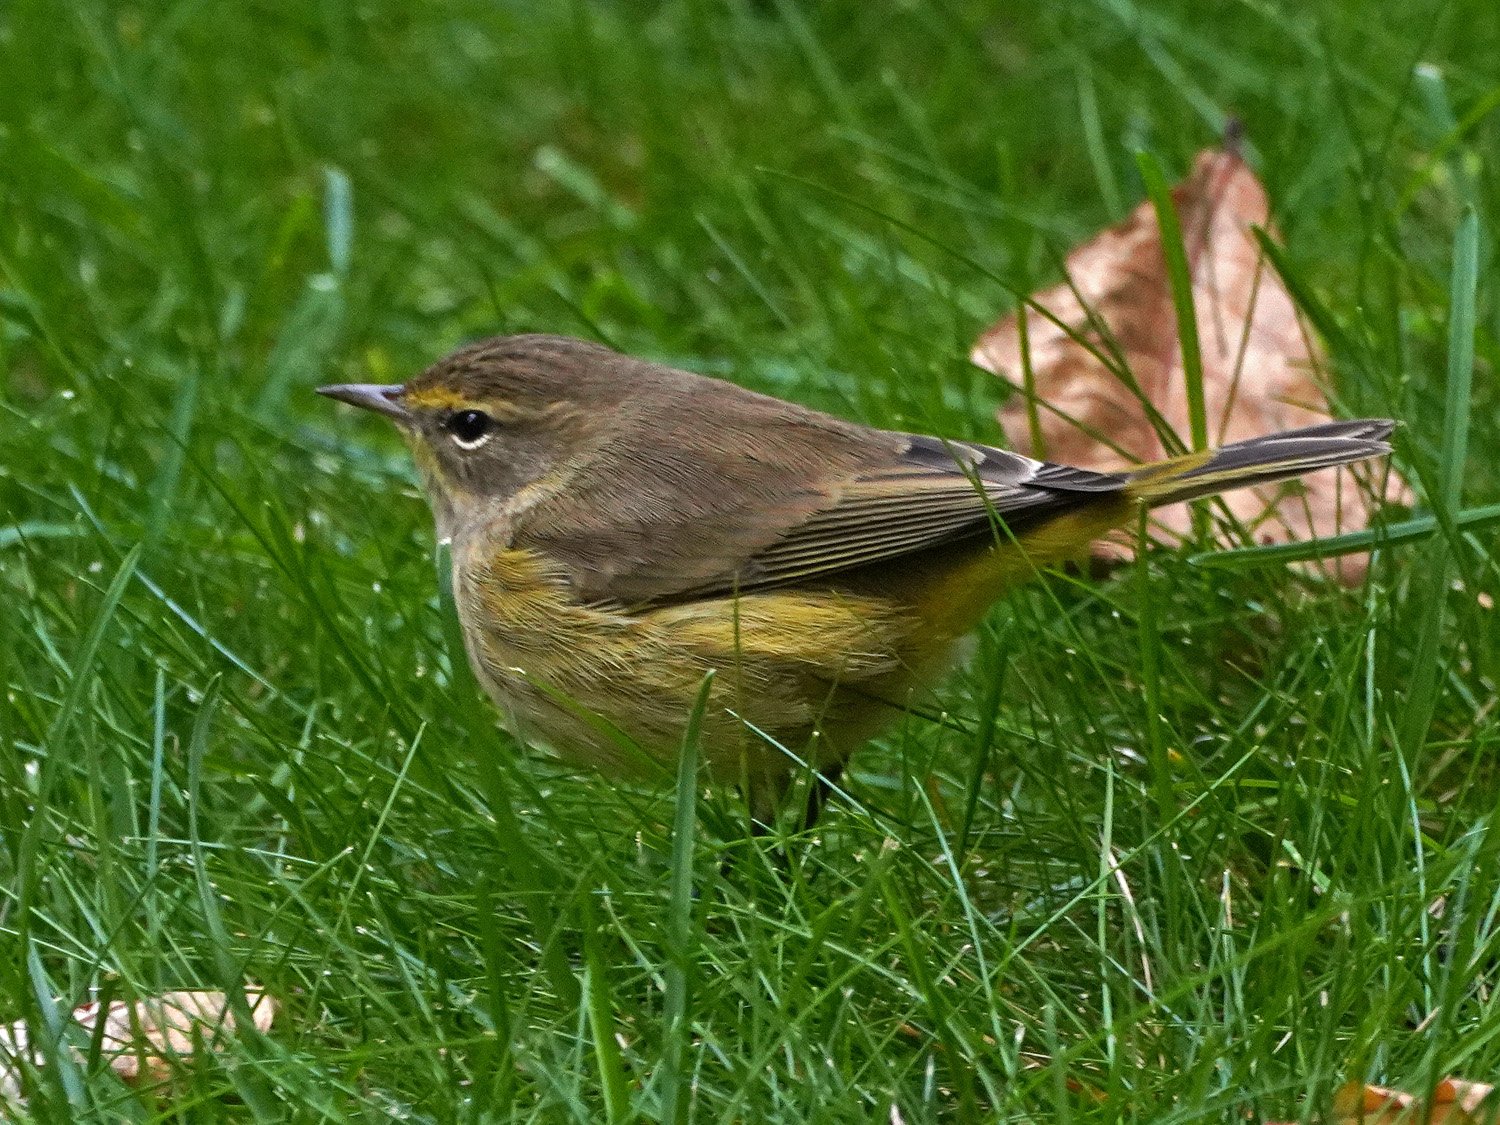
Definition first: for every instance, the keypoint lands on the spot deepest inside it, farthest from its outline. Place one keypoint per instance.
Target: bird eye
(469, 428)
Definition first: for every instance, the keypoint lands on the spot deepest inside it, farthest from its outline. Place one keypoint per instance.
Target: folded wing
(931, 493)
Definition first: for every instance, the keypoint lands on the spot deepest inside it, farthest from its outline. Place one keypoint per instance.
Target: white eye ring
(470, 429)
(475, 443)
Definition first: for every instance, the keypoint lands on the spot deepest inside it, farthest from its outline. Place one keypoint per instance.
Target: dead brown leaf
(142, 1040)
(1261, 367)
(1455, 1101)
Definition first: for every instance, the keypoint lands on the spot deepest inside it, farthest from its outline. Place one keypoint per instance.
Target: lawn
(1181, 844)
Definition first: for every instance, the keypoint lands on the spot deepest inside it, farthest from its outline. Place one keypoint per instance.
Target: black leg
(763, 797)
(820, 791)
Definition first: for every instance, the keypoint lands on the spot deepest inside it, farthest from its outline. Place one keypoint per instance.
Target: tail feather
(1260, 460)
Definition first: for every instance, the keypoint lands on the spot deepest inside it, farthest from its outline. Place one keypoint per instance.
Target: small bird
(620, 529)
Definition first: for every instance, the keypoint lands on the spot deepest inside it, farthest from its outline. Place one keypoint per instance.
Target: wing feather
(931, 494)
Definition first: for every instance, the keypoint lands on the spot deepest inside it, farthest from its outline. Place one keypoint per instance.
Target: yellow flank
(951, 592)
(840, 660)
(781, 660)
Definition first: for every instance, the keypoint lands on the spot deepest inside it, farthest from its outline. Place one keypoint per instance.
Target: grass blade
(677, 1004)
(599, 1000)
(1413, 530)
(1179, 274)
(1430, 597)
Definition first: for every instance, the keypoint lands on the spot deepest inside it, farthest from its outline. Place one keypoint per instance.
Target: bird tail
(1259, 460)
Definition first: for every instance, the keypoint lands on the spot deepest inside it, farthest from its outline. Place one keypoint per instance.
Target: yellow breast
(613, 689)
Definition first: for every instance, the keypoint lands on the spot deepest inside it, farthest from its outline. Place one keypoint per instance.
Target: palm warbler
(620, 529)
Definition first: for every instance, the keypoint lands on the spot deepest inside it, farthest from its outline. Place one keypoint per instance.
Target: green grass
(1194, 843)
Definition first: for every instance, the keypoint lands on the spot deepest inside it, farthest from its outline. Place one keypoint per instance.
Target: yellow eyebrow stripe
(435, 398)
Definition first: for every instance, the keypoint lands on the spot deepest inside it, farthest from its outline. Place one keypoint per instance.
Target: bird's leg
(823, 784)
(764, 796)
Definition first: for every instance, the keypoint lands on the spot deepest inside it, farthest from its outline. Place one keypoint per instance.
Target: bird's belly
(798, 673)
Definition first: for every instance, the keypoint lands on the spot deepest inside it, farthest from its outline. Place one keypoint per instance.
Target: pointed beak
(372, 396)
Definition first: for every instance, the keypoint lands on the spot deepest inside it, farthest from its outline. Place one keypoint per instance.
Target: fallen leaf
(142, 1040)
(1261, 367)
(1455, 1101)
